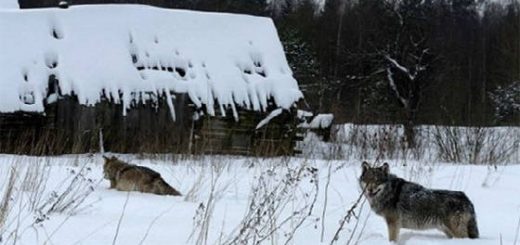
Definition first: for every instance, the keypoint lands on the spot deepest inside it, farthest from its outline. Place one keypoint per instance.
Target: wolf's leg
(447, 232)
(112, 183)
(125, 185)
(458, 226)
(460, 230)
(393, 229)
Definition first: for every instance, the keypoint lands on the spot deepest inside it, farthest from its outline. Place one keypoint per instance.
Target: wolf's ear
(385, 167)
(365, 166)
(106, 158)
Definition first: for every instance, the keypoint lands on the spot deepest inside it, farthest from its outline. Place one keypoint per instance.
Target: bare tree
(407, 62)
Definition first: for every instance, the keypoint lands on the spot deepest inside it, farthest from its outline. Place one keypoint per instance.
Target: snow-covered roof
(319, 121)
(139, 52)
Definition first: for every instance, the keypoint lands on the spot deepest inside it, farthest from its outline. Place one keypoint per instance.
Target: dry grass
(277, 208)
(27, 204)
(517, 232)
(475, 145)
(203, 217)
(351, 212)
(6, 200)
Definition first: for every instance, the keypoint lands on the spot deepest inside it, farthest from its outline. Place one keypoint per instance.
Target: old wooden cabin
(92, 78)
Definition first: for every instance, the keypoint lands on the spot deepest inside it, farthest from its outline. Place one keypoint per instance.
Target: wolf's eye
(368, 178)
(365, 177)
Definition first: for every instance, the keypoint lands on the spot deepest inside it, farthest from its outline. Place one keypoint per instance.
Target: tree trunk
(409, 129)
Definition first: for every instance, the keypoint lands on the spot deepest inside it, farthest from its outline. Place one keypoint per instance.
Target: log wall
(68, 127)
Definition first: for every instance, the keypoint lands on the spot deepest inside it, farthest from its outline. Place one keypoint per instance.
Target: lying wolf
(129, 177)
(409, 205)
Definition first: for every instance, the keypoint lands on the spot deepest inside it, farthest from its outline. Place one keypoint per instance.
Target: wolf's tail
(166, 189)
(172, 191)
(472, 227)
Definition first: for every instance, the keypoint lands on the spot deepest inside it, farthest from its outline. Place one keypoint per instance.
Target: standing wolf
(129, 177)
(405, 204)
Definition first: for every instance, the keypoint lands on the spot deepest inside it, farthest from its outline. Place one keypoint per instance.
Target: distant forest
(452, 62)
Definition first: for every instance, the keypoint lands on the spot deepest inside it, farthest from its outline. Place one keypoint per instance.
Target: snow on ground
(9, 4)
(137, 52)
(289, 182)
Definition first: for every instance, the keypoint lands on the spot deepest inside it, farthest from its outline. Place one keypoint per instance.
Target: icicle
(170, 104)
(101, 143)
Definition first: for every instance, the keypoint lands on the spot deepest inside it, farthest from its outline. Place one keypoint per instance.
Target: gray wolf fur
(129, 177)
(404, 204)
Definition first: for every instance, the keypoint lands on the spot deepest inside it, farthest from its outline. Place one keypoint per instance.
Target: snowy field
(235, 200)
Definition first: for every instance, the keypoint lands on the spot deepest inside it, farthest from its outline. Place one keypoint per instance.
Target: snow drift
(137, 53)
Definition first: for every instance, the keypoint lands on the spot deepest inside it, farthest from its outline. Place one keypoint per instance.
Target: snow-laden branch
(269, 117)
(400, 67)
(417, 68)
(393, 86)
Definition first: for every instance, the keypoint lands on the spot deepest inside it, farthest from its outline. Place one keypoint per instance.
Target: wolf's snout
(372, 193)
(371, 190)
